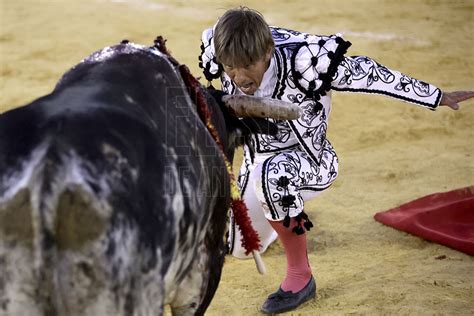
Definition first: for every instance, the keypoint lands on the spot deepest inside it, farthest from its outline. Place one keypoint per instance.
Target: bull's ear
(257, 125)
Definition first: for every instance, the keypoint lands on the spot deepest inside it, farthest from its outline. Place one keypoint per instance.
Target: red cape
(445, 218)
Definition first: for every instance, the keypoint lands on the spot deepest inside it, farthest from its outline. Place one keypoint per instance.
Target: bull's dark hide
(113, 195)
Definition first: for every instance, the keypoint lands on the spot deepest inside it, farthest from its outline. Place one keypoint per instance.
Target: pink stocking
(298, 271)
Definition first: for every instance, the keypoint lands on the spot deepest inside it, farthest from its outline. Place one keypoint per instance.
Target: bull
(113, 194)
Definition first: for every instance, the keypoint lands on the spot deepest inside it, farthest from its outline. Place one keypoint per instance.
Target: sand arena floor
(389, 152)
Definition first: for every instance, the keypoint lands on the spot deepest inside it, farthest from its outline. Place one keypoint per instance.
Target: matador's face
(249, 77)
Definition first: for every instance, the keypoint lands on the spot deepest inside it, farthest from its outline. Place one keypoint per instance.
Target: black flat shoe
(281, 301)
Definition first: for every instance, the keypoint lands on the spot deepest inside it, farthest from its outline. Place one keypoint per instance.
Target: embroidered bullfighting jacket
(308, 67)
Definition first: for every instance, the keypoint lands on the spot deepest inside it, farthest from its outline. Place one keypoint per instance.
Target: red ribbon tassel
(250, 240)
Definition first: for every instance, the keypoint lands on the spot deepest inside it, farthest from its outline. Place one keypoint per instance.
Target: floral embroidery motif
(362, 74)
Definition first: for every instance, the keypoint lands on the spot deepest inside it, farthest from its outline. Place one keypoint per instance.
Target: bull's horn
(248, 106)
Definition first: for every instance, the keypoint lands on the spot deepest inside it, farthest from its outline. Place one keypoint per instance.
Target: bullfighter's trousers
(275, 186)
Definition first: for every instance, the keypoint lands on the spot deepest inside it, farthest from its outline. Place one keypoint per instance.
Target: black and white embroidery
(371, 71)
(243, 178)
(207, 59)
(227, 85)
(268, 143)
(408, 84)
(311, 128)
(313, 113)
(286, 167)
(362, 74)
(288, 173)
(281, 34)
(296, 98)
(282, 73)
(314, 62)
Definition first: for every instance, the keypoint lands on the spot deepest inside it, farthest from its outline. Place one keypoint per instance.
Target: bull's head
(246, 115)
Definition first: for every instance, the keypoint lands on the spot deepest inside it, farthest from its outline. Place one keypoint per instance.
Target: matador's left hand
(452, 99)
